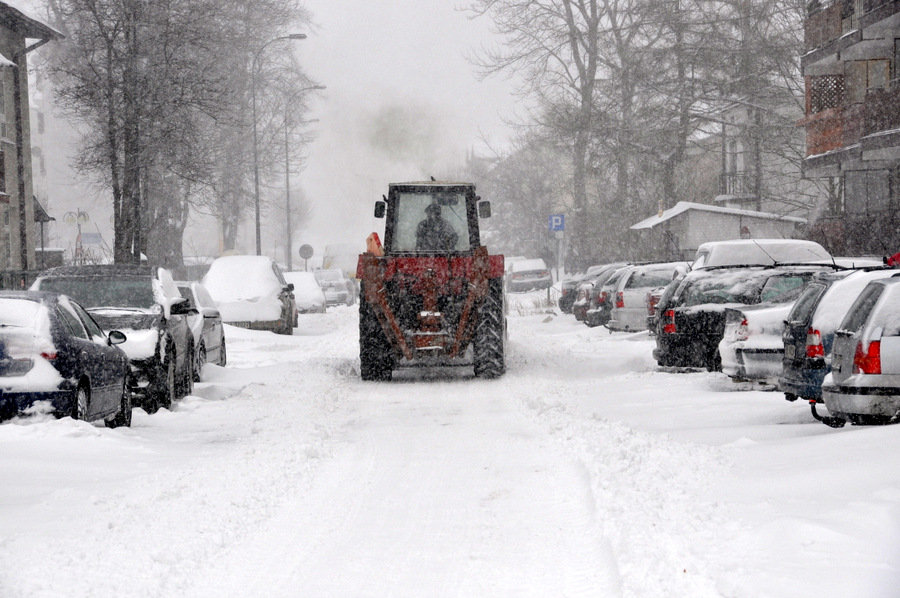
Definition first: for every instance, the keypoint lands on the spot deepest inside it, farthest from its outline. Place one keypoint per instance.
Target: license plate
(240, 324)
(789, 351)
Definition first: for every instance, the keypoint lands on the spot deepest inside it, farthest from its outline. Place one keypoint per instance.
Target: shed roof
(16, 16)
(684, 206)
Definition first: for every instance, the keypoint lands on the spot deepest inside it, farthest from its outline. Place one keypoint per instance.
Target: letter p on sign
(557, 222)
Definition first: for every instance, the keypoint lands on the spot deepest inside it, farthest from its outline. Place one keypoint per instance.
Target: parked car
(586, 287)
(569, 286)
(863, 386)
(808, 332)
(693, 324)
(144, 303)
(308, 293)
(206, 326)
(337, 286)
(751, 348)
(52, 350)
(759, 252)
(251, 292)
(628, 300)
(600, 298)
(657, 299)
(529, 275)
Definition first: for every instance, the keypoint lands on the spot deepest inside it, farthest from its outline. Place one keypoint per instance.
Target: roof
(684, 206)
(40, 214)
(16, 16)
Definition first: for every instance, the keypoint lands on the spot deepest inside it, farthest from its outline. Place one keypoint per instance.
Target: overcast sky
(402, 103)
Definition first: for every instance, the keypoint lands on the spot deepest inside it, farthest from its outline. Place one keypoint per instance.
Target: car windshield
(410, 212)
(121, 291)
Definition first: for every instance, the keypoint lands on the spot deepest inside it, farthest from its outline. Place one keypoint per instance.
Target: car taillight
(814, 346)
(868, 362)
(49, 356)
(620, 300)
(652, 302)
(602, 297)
(669, 326)
(742, 331)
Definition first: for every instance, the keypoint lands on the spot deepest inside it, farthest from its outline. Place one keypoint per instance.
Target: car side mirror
(484, 209)
(380, 207)
(182, 308)
(115, 337)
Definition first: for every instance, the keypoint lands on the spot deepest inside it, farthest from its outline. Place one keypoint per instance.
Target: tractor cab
(431, 218)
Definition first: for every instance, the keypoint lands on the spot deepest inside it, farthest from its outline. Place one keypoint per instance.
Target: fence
(14, 280)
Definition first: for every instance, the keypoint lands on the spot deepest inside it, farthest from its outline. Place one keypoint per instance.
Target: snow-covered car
(629, 301)
(528, 275)
(308, 293)
(568, 287)
(863, 386)
(144, 303)
(337, 286)
(206, 326)
(808, 333)
(751, 347)
(52, 350)
(759, 252)
(251, 292)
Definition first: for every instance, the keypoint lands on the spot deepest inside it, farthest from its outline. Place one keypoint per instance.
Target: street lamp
(78, 217)
(287, 170)
(255, 134)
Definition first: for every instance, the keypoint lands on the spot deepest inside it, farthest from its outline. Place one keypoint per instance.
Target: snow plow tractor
(431, 295)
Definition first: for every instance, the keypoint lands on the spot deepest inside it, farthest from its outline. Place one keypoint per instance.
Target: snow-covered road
(582, 472)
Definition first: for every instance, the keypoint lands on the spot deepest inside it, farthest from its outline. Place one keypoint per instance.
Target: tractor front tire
(490, 335)
(376, 360)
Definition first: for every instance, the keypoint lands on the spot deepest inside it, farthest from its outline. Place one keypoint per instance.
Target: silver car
(864, 384)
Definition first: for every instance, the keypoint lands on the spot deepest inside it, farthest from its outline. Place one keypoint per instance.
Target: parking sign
(557, 222)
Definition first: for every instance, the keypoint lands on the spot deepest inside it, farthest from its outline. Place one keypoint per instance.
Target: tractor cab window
(431, 223)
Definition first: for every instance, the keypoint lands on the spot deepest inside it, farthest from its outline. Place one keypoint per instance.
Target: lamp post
(287, 171)
(255, 133)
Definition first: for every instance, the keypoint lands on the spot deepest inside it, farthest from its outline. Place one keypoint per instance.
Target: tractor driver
(434, 233)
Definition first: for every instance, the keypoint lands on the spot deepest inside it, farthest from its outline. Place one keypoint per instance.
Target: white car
(759, 252)
(629, 302)
(337, 286)
(251, 292)
(529, 275)
(308, 293)
(864, 384)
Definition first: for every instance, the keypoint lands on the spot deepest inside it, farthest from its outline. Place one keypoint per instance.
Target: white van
(759, 252)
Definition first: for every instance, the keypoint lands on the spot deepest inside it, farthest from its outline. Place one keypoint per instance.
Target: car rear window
(803, 308)
(861, 308)
(782, 289)
(642, 279)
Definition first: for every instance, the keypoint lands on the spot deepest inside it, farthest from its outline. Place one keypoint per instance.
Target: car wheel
(80, 404)
(185, 384)
(162, 389)
(123, 417)
(223, 358)
(198, 363)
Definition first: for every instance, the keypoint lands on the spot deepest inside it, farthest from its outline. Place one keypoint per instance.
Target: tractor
(431, 295)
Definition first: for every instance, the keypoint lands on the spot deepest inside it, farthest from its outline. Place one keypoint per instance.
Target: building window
(861, 75)
(825, 92)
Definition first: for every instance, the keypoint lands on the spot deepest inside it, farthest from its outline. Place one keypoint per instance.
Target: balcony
(822, 25)
(737, 184)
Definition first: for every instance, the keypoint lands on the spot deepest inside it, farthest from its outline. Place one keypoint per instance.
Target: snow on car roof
(529, 264)
(759, 252)
(837, 299)
(236, 277)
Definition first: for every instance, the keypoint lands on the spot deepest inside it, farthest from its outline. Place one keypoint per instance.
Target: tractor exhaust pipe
(830, 421)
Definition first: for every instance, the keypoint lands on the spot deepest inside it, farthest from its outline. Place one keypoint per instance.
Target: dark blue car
(52, 350)
(809, 330)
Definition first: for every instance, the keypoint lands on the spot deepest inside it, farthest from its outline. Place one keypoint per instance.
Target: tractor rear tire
(376, 359)
(490, 335)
